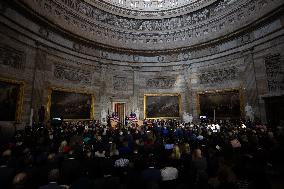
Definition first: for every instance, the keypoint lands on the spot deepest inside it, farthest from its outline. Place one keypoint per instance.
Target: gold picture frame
(20, 95)
(67, 90)
(239, 90)
(162, 95)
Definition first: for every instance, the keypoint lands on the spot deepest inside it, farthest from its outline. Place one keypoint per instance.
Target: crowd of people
(157, 155)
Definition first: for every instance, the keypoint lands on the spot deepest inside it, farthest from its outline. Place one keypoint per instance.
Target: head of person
(6, 156)
(63, 144)
(186, 148)
(53, 175)
(176, 152)
(197, 154)
(20, 181)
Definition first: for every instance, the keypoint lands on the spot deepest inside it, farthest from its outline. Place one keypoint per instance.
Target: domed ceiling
(150, 9)
(152, 25)
(150, 5)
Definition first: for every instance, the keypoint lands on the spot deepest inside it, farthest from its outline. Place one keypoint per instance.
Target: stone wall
(45, 58)
(17, 62)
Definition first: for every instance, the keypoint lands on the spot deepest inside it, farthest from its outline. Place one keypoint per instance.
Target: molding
(222, 47)
(73, 21)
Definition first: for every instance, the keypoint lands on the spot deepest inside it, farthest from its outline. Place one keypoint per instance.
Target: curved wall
(216, 20)
(43, 56)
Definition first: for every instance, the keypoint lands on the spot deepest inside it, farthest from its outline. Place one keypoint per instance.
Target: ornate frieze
(275, 73)
(145, 6)
(119, 83)
(161, 58)
(150, 41)
(218, 75)
(115, 21)
(76, 47)
(178, 31)
(73, 74)
(150, 10)
(12, 57)
(44, 32)
(161, 82)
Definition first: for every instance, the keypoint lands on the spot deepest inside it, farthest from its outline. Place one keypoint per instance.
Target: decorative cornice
(218, 19)
(252, 32)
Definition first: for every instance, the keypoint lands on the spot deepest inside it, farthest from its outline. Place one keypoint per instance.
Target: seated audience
(159, 154)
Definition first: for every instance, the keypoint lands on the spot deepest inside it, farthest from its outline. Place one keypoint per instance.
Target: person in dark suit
(71, 169)
(108, 181)
(198, 168)
(53, 177)
(151, 176)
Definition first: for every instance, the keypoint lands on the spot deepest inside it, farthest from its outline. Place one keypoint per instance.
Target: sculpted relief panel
(275, 73)
(11, 57)
(161, 82)
(218, 75)
(119, 83)
(73, 74)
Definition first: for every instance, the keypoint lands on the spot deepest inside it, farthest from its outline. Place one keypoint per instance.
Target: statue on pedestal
(103, 117)
(190, 118)
(137, 113)
(186, 117)
(249, 113)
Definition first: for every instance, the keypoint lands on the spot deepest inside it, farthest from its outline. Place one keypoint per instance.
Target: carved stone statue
(190, 118)
(137, 113)
(186, 117)
(249, 113)
(103, 117)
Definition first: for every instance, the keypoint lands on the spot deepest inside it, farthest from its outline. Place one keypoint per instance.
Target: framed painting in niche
(70, 104)
(162, 106)
(227, 104)
(11, 99)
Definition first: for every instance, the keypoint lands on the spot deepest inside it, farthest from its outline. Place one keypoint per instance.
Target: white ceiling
(150, 5)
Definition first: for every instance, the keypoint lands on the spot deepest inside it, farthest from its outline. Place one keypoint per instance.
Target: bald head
(20, 180)
(7, 153)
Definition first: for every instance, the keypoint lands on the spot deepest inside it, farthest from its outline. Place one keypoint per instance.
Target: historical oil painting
(10, 97)
(70, 105)
(224, 104)
(162, 105)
